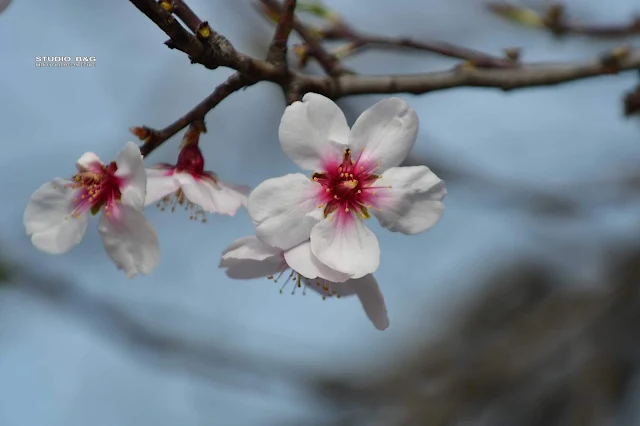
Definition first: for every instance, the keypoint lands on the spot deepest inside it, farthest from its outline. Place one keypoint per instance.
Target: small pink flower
(57, 215)
(248, 258)
(187, 184)
(354, 175)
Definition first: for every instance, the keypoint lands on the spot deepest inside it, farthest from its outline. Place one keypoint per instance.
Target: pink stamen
(97, 187)
(347, 187)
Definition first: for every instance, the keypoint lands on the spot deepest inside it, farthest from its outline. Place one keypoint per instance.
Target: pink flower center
(97, 187)
(348, 186)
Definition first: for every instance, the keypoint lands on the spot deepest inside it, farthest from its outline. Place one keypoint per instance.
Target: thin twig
(155, 138)
(278, 48)
(329, 63)
(342, 31)
(555, 20)
(186, 15)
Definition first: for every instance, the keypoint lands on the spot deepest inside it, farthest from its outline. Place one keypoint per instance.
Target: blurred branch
(209, 360)
(213, 50)
(338, 29)
(525, 353)
(555, 20)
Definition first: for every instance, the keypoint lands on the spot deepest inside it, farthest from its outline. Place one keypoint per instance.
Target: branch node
(513, 54)
(612, 61)
(170, 44)
(554, 19)
(167, 5)
(204, 31)
(143, 133)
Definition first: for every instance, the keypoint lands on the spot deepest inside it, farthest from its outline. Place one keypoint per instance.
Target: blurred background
(521, 307)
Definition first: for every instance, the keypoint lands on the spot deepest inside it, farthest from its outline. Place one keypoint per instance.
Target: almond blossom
(347, 184)
(248, 258)
(188, 185)
(57, 215)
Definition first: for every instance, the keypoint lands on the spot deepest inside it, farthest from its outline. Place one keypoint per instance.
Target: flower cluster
(310, 230)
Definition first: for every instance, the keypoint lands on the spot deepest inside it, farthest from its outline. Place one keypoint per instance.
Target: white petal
(284, 209)
(160, 183)
(131, 242)
(301, 260)
(413, 204)
(372, 300)
(387, 131)
(331, 289)
(213, 197)
(131, 169)
(48, 221)
(89, 161)
(248, 257)
(346, 246)
(250, 248)
(311, 129)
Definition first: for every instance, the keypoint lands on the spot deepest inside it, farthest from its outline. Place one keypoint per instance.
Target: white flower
(248, 257)
(188, 184)
(57, 214)
(347, 182)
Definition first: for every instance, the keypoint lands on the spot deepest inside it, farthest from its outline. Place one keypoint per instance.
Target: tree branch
(340, 30)
(467, 76)
(555, 20)
(154, 138)
(329, 63)
(213, 50)
(207, 48)
(278, 48)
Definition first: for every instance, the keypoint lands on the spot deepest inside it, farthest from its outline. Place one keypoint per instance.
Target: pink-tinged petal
(301, 260)
(346, 245)
(311, 130)
(372, 300)
(212, 196)
(48, 218)
(130, 241)
(248, 258)
(284, 209)
(386, 132)
(131, 171)
(331, 289)
(89, 162)
(413, 204)
(160, 183)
